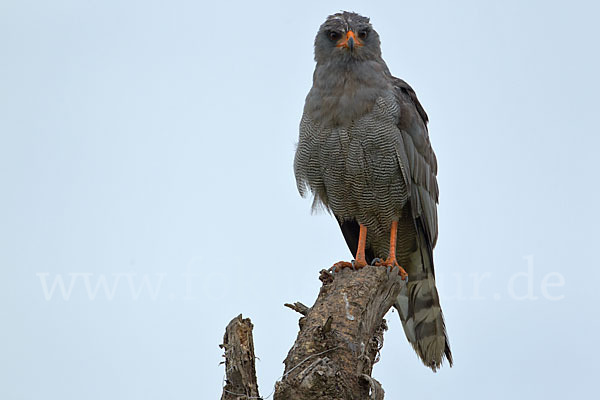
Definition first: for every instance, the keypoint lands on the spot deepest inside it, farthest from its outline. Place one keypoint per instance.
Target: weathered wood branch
(239, 356)
(339, 340)
(298, 307)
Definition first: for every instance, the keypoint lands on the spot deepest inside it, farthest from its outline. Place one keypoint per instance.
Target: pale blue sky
(149, 145)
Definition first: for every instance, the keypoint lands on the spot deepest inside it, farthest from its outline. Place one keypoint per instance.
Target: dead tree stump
(339, 340)
(240, 360)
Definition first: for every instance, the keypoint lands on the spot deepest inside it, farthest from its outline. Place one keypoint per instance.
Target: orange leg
(360, 260)
(391, 260)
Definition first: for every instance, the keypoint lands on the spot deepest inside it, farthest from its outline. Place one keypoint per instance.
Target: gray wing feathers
(418, 303)
(420, 159)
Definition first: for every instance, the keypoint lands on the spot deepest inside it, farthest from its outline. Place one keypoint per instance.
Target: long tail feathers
(421, 314)
(423, 322)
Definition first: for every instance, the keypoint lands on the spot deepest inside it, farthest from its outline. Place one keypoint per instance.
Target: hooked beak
(350, 42)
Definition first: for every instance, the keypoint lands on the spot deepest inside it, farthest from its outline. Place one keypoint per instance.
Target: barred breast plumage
(354, 170)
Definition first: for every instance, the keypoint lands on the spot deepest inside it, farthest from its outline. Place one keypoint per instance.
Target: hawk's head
(346, 36)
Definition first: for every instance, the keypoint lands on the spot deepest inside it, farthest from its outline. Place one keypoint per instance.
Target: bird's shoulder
(404, 92)
(412, 122)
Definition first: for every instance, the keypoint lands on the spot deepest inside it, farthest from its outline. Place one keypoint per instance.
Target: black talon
(375, 261)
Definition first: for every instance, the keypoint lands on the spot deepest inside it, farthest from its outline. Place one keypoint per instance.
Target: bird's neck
(344, 92)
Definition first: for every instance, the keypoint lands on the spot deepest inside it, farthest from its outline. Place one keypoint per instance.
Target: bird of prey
(364, 153)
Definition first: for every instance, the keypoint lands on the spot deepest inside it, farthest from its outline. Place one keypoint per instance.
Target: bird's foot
(391, 263)
(354, 264)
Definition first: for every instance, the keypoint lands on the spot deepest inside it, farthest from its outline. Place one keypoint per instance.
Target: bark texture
(340, 337)
(239, 361)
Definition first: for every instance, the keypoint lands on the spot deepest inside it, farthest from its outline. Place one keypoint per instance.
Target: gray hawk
(365, 155)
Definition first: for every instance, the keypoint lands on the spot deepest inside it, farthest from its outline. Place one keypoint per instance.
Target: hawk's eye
(363, 34)
(334, 36)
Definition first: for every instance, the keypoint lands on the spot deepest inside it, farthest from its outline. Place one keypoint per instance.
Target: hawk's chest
(364, 149)
(355, 169)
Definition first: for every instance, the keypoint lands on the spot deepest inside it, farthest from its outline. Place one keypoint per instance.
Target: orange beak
(350, 41)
